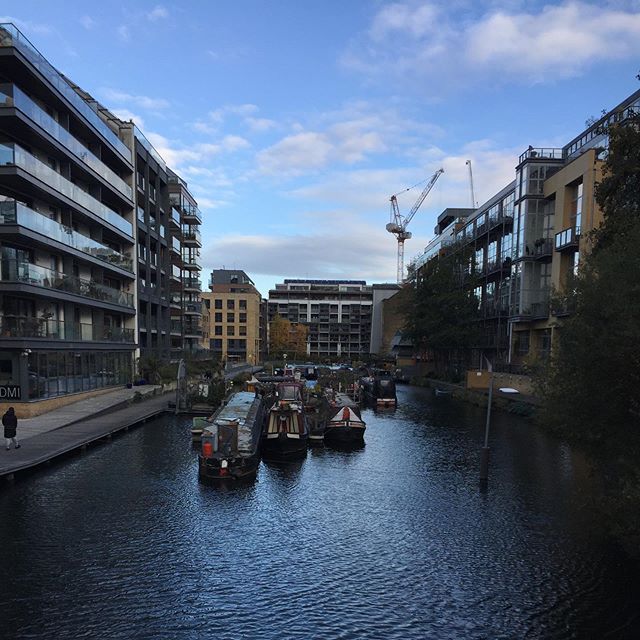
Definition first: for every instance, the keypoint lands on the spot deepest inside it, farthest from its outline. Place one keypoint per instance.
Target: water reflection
(390, 541)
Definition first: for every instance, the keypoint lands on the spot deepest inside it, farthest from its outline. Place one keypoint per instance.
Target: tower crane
(398, 224)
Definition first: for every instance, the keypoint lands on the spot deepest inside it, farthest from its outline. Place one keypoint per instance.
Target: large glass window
(576, 208)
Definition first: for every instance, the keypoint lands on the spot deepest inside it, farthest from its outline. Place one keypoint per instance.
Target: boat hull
(284, 447)
(344, 434)
(237, 469)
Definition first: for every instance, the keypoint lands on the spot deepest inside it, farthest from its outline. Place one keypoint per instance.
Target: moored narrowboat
(286, 432)
(230, 441)
(345, 428)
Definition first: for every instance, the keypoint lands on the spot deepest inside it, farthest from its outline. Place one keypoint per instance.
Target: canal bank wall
(65, 431)
(521, 404)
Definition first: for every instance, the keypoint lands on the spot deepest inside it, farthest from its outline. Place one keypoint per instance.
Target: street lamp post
(484, 452)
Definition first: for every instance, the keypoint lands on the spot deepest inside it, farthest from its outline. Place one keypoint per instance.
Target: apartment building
(337, 312)
(153, 237)
(186, 287)
(526, 239)
(67, 235)
(234, 306)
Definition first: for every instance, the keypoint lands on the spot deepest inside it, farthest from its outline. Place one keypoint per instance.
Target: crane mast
(473, 199)
(398, 223)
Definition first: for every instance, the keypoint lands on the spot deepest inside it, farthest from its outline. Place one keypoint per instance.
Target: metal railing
(10, 95)
(12, 37)
(12, 212)
(12, 154)
(52, 329)
(27, 273)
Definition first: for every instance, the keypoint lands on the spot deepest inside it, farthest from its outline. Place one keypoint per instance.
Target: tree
(440, 311)
(287, 337)
(592, 387)
(279, 329)
(298, 339)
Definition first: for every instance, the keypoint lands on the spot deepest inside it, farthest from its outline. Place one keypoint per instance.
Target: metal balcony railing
(12, 37)
(12, 212)
(52, 329)
(567, 239)
(27, 273)
(12, 154)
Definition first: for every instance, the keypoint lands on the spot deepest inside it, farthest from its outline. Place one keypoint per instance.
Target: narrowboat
(230, 440)
(286, 431)
(379, 391)
(345, 428)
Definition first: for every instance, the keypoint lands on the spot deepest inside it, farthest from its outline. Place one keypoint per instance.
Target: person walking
(10, 424)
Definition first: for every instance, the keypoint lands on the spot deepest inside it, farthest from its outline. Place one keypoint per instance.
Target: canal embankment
(74, 427)
(524, 404)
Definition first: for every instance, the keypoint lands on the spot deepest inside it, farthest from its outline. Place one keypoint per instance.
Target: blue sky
(294, 121)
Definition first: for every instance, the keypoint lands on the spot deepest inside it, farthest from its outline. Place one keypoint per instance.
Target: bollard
(484, 465)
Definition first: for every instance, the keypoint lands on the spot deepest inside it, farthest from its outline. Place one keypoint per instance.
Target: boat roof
(237, 407)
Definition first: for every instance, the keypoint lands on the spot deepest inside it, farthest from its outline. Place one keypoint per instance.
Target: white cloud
(126, 115)
(157, 13)
(144, 102)
(529, 44)
(123, 33)
(87, 22)
(362, 254)
(353, 134)
(260, 124)
(295, 155)
(28, 27)
(177, 156)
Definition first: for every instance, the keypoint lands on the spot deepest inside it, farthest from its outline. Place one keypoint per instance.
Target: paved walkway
(54, 442)
(77, 411)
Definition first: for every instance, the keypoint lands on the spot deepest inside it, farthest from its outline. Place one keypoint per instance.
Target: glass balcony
(191, 213)
(546, 153)
(567, 239)
(25, 272)
(51, 329)
(11, 37)
(12, 212)
(191, 235)
(10, 95)
(192, 283)
(175, 217)
(175, 326)
(12, 154)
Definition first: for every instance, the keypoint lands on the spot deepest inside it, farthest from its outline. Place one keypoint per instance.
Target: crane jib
(398, 226)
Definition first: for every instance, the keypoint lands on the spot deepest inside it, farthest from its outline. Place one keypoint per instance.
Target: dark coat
(10, 423)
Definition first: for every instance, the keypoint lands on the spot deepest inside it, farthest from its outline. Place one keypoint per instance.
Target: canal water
(394, 540)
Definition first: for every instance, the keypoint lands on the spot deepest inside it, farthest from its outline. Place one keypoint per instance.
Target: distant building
(383, 326)
(234, 316)
(337, 312)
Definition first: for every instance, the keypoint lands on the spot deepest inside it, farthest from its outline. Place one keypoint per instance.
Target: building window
(231, 317)
(217, 303)
(242, 303)
(231, 304)
(217, 331)
(522, 343)
(243, 317)
(218, 316)
(231, 331)
(576, 208)
(242, 331)
(216, 343)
